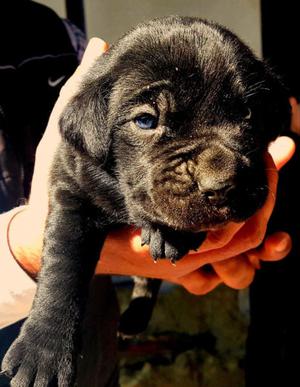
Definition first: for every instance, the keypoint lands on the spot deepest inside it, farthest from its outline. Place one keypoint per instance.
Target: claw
(145, 237)
(173, 261)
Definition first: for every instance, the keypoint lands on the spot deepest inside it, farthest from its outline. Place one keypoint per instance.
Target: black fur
(217, 108)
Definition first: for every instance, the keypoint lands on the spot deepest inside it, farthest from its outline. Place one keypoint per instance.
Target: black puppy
(168, 133)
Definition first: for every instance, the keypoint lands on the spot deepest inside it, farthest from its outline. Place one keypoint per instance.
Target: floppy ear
(83, 122)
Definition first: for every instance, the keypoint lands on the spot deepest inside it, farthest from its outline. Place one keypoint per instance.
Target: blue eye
(146, 121)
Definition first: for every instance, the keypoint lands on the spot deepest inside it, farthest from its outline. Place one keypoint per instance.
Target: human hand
(51, 138)
(232, 251)
(26, 242)
(295, 122)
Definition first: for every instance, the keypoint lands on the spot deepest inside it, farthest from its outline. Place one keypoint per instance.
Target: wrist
(24, 238)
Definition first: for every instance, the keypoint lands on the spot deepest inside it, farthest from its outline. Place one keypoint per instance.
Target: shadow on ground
(191, 340)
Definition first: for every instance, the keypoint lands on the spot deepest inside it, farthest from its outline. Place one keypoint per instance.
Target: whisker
(253, 89)
(252, 151)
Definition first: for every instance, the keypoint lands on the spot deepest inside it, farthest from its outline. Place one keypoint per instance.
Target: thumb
(282, 150)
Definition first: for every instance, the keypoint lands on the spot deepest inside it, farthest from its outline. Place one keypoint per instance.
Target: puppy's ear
(83, 122)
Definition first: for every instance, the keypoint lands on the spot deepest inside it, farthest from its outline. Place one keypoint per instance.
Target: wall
(57, 5)
(109, 19)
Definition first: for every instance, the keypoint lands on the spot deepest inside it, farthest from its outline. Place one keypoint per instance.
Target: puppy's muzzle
(209, 188)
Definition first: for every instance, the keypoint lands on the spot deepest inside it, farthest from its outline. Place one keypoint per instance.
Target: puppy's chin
(195, 214)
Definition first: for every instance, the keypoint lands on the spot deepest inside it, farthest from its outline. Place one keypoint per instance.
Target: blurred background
(110, 19)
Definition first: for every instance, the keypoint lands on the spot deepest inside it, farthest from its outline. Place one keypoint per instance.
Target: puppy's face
(183, 113)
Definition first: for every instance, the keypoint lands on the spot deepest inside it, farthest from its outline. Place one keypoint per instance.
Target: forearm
(24, 238)
(16, 287)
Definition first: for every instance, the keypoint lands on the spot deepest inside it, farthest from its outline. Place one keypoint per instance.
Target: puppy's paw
(36, 360)
(168, 243)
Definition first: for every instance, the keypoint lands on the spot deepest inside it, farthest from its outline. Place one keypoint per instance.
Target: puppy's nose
(215, 174)
(218, 197)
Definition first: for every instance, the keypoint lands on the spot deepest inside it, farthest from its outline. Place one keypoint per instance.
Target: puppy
(168, 134)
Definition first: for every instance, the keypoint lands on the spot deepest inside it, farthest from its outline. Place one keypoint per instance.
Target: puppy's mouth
(188, 202)
(201, 190)
(196, 212)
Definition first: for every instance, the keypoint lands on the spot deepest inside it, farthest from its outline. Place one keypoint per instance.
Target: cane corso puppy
(168, 134)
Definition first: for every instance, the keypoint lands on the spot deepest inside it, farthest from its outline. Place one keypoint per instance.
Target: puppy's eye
(248, 114)
(146, 121)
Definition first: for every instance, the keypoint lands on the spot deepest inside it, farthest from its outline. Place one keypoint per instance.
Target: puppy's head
(182, 112)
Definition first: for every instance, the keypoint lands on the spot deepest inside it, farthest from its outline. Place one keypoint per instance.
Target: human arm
(16, 288)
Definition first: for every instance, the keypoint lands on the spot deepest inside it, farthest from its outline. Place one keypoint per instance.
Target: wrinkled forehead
(188, 65)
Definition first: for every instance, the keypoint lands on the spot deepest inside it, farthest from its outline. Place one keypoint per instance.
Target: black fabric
(36, 59)
(280, 38)
(274, 338)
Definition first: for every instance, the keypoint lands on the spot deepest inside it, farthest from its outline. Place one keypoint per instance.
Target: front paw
(39, 360)
(167, 243)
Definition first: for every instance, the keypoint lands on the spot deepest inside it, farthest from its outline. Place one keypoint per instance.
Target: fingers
(252, 234)
(272, 177)
(219, 238)
(282, 150)
(236, 272)
(199, 282)
(95, 48)
(252, 231)
(51, 138)
(246, 236)
(274, 248)
(295, 122)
